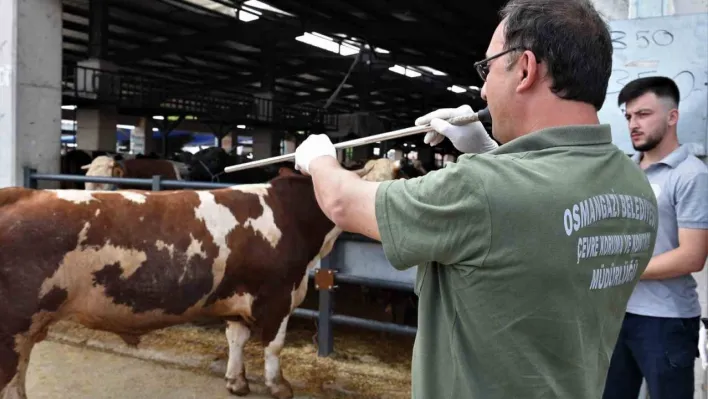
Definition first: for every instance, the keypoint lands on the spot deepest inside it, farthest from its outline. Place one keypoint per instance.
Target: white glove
(314, 146)
(469, 138)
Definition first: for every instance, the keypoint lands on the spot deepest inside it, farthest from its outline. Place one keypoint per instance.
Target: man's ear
(673, 117)
(528, 70)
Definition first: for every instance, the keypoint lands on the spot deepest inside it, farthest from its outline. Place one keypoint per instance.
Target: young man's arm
(692, 220)
(689, 257)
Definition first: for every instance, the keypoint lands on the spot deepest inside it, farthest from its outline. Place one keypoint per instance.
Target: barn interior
(263, 74)
(173, 79)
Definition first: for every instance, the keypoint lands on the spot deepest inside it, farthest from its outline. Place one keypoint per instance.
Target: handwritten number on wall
(618, 40)
(642, 39)
(646, 39)
(685, 79)
(662, 37)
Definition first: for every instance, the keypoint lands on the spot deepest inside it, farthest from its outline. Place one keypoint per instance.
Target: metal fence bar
(125, 181)
(373, 282)
(357, 322)
(156, 183)
(29, 181)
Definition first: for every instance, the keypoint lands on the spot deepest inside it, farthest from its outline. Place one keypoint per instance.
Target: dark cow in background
(208, 165)
(130, 262)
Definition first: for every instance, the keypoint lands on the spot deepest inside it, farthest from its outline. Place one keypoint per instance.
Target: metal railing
(325, 314)
(135, 91)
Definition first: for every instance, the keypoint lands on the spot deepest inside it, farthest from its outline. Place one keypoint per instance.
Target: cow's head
(380, 170)
(411, 168)
(103, 166)
(209, 163)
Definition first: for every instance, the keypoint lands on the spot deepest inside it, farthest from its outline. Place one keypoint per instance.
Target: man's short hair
(661, 86)
(573, 40)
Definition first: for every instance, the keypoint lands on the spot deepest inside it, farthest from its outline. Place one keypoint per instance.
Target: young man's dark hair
(661, 86)
(573, 40)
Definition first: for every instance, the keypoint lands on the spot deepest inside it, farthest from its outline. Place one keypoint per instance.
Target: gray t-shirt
(680, 182)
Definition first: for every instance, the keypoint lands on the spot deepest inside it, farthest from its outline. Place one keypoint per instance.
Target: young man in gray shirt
(659, 336)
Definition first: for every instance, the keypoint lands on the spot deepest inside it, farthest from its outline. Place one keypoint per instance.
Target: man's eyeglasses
(482, 67)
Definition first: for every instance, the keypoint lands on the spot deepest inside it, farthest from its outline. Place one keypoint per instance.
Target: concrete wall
(630, 9)
(30, 87)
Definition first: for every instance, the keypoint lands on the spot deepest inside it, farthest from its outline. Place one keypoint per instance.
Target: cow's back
(146, 168)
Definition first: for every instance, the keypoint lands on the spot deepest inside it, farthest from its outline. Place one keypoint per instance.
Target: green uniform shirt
(526, 257)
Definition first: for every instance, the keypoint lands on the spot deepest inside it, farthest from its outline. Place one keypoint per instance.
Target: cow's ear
(86, 167)
(397, 165)
(117, 171)
(366, 169)
(285, 171)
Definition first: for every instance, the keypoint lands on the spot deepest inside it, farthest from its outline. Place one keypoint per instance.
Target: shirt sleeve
(441, 217)
(692, 201)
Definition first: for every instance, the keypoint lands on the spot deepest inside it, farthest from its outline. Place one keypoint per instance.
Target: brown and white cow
(138, 168)
(130, 262)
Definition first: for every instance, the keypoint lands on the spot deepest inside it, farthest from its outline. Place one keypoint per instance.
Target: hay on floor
(364, 363)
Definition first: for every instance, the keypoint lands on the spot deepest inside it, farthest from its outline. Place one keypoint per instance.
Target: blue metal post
(325, 338)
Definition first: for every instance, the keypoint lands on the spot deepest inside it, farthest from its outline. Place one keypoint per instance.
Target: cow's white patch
(237, 335)
(195, 248)
(272, 355)
(89, 259)
(133, 196)
(98, 212)
(75, 196)
(160, 245)
(297, 295)
(83, 234)
(219, 222)
(141, 218)
(265, 224)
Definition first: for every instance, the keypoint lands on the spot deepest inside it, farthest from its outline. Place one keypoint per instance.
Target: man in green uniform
(527, 254)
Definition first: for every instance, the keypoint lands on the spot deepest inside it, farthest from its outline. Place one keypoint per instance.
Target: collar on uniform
(673, 159)
(572, 135)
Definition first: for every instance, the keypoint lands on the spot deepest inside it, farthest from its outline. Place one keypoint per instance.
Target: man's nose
(633, 123)
(483, 92)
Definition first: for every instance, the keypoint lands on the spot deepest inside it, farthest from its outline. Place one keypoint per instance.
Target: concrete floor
(60, 371)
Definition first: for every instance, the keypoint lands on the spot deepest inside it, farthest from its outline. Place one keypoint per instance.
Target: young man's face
(649, 118)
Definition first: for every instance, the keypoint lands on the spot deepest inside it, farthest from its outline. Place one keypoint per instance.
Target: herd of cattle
(206, 165)
(133, 261)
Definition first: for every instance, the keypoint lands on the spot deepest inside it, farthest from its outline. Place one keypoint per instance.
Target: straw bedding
(364, 363)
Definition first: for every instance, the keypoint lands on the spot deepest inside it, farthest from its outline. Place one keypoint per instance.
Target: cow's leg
(237, 334)
(9, 360)
(16, 388)
(278, 385)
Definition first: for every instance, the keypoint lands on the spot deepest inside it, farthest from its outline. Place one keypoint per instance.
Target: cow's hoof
(282, 390)
(238, 386)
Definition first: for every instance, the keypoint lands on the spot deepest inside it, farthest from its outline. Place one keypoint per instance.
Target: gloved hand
(469, 138)
(314, 146)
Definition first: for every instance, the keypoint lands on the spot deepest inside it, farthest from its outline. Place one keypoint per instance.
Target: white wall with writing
(674, 46)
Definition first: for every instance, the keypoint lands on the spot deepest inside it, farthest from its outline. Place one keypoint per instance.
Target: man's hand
(315, 146)
(469, 138)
